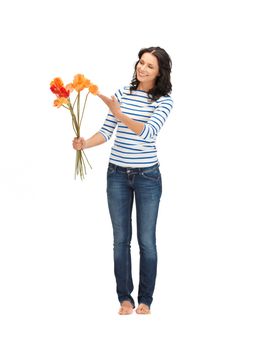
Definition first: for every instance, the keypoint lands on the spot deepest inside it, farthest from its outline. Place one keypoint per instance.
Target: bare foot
(126, 308)
(143, 309)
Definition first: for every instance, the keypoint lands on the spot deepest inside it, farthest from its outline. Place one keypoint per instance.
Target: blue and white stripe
(130, 149)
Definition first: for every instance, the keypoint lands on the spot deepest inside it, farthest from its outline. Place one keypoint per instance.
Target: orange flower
(60, 101)
(57, 82)
(80, 82)
(57, 87)
(69, 87)
(93, 89)
(64, 98)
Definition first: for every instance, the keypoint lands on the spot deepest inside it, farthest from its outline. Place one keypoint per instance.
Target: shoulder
(124, 90)
(135, 95)
(166, 98)
(166, 101)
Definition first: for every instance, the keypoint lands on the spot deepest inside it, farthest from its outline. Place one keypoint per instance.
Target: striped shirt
(130, 149)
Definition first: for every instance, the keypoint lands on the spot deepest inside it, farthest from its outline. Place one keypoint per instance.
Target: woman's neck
(145, 87)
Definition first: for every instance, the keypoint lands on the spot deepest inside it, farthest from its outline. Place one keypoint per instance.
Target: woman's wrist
(119, 115)
(84, 144)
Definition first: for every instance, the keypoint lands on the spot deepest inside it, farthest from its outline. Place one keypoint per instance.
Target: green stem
(74, 127)
(74, 121)
(78, 108)
(75, 102)
(80, 164)
(87, 160)
(84, 108)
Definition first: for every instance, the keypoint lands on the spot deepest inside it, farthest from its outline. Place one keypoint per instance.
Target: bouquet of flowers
(65, 98)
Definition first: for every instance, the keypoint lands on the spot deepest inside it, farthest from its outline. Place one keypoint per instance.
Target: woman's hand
(78, 143)
(115, 108)
(112, 103)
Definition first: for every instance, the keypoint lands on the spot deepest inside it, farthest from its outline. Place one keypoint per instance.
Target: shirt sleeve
(157, 120)
(110, 122)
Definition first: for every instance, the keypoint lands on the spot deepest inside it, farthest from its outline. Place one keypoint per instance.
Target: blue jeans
(145, 185)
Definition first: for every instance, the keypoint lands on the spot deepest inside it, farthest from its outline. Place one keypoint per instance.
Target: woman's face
(147, 69)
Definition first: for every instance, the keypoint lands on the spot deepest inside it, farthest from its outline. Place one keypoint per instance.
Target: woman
(139, 112)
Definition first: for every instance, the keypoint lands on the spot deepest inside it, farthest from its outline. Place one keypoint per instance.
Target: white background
(56, 271)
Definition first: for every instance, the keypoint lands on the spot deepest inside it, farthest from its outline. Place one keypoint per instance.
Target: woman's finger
(105, 99)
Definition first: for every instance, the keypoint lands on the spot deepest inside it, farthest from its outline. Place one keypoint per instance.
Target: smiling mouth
(142, 75)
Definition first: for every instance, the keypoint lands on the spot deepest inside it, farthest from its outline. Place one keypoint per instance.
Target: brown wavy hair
(163, 85)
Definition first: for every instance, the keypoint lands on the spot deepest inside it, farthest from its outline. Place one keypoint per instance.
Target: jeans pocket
(154, 174)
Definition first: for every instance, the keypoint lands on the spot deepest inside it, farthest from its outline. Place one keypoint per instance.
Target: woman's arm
(133, 125)
(81, 143)
(114, 106)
